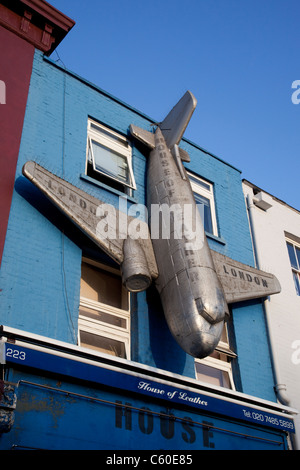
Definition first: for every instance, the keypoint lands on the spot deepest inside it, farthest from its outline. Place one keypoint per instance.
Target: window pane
(298, 255)
(203, 205)
(109, 158)
(212, 375)
(297, 282)
(109, 162)
(102, 316)
(102, 286)
(109, 134)
(292, 255)
(200, 182)
(99, 343)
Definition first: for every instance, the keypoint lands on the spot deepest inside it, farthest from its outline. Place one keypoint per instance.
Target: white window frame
(295, 271)
(205, 188)
(98, 327)
(113, 141)
(219, 365)
(224, 365)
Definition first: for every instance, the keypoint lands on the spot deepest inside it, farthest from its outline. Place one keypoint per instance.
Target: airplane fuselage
(192, 296)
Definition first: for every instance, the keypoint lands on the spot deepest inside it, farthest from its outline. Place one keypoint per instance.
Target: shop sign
(133, 382)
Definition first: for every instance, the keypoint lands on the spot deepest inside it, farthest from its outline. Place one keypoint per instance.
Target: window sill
(88, 179)
(215, 238)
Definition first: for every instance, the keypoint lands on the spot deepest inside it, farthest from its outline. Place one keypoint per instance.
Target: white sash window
(294, 256)
(204, 197)
(216, 369)
(109, 157)
(104, 319)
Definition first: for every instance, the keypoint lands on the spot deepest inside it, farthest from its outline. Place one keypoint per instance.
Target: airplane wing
(242, 282)
(103, 223)
(108, 228)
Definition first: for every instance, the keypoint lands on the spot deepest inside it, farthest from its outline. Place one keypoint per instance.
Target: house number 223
(21, 355)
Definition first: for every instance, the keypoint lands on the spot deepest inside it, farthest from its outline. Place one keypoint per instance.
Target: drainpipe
(280, 388)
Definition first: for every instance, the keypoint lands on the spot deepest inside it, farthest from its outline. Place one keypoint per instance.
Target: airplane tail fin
(174, 125)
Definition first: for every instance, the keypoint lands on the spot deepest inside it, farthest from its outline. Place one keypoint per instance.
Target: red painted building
(25, 25)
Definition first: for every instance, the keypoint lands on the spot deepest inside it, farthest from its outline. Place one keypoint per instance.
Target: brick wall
(40, 276)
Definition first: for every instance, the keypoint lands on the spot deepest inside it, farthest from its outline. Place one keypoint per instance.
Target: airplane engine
(136, 276)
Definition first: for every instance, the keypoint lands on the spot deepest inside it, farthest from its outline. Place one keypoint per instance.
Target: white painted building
(275, 228)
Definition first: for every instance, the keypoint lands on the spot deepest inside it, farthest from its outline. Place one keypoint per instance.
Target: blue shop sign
(138, 383)
(114, 419)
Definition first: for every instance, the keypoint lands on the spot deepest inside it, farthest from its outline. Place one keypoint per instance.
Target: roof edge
(35, 21)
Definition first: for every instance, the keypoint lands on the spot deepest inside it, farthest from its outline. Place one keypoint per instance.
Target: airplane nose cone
(203, 347)
(202, 344)
(197, 329)
(212, 308)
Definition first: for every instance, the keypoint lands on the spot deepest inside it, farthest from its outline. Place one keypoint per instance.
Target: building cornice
(256, 189)
(35, 21)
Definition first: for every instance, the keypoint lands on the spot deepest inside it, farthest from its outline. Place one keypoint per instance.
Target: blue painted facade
(40, 289)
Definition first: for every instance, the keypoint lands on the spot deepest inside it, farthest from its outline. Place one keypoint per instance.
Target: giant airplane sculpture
(195, 283)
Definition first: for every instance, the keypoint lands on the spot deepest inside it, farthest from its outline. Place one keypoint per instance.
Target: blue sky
(238, 57)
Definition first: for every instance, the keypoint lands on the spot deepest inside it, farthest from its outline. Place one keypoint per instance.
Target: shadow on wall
(41, 204)
(167, 354)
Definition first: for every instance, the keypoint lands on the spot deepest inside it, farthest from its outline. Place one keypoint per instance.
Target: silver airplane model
(195, 283)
